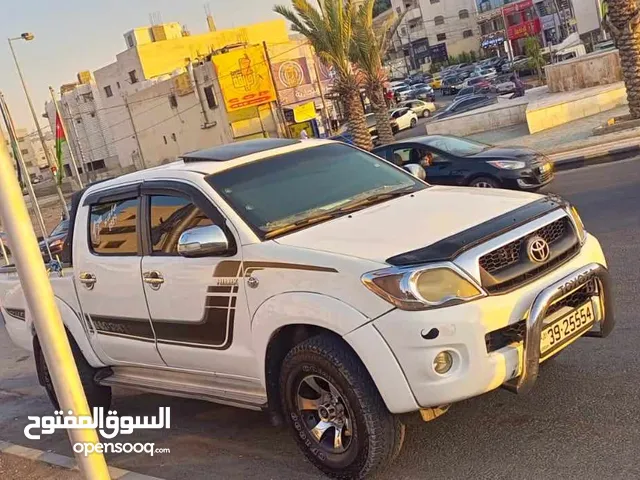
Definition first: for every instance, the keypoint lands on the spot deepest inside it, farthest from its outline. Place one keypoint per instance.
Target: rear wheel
(97, 395)
(484, 182)
(413, 122)
(426, 113)
(335, 412)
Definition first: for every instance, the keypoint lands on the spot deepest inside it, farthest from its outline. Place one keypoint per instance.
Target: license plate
(562, 330)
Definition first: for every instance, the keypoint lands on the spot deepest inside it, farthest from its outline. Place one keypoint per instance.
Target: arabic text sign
(244, 78)
(298, 94)
(304, 112)
(525, 29)
(108, 425)
(291, 73)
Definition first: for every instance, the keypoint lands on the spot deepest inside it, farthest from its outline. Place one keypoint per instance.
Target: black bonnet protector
(450, 247)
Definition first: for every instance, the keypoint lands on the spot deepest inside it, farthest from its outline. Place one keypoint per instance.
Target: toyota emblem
(538, 249)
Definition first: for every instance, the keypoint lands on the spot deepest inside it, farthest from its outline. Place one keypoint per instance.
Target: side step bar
(234, 391)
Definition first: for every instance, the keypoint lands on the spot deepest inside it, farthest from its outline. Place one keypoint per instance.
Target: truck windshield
(286, 192)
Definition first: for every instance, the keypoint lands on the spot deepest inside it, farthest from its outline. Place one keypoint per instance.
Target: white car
(419, 107)
(320, 283)
(404, 118)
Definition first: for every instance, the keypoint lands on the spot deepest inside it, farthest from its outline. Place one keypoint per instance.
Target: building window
(434, 1)
(463, 13)
(79, 120)
(164, 137)
(441, 37)
(403, 31)
(107, 91)
(24, 151)
(93, 114)
(408, 4)
(87, 97)
(467, 34)
(439, 20)
(133, 78)
(210, 96)
(173, 137)
(398, 10)
(129, 40)
(118, 85)
(173, 101)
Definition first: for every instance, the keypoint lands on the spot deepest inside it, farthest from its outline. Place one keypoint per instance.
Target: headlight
(507, 164)
(419, 288)
(577, 221)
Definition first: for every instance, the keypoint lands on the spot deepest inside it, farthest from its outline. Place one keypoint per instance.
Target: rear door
(197, 305)
(107, 262)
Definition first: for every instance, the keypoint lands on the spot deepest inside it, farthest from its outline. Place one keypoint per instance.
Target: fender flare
(304, 308)
(74, 325)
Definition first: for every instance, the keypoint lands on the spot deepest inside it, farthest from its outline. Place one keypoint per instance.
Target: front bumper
(525, 179)
(462, 331)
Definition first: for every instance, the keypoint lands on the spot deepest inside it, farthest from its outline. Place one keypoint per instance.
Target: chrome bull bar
(531, 353)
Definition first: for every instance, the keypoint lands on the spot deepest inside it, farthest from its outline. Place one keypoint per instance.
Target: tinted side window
(113, 227)
(171, 216)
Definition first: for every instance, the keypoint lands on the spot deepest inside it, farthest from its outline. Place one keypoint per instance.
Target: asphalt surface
(581, 421)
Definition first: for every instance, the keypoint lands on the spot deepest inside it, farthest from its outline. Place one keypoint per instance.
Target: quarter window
(113, 227)
(170, 217)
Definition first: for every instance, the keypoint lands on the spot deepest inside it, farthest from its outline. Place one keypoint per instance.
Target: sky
(76, 35)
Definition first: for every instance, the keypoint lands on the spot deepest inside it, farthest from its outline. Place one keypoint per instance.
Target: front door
(197, 305)
(107, 262)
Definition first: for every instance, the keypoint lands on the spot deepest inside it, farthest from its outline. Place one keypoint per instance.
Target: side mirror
(416, 170)
(203, 241)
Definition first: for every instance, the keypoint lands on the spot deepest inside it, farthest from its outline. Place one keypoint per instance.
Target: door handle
(87, 279)
(153, 278)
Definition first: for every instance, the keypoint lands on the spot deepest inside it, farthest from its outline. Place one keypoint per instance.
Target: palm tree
(623, 21)
(329, 30)
(368, 49)
(533, 51)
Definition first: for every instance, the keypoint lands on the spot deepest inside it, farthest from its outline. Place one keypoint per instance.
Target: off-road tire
(377, 435)
(97, 395)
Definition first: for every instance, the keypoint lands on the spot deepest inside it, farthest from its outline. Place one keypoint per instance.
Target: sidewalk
(571, 141)
(12, 466)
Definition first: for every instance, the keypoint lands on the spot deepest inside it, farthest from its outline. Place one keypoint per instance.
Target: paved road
(582, 420)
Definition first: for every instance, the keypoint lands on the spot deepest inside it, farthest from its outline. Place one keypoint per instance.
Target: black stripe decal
(17, 313)
(452, 246)
(220, 289)
(136, 327)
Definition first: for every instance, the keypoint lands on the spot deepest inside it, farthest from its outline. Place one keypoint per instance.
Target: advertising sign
(291, 73)
(438, 52)
(525, 29)
(304, 112)
(516, 7)
(244, 78)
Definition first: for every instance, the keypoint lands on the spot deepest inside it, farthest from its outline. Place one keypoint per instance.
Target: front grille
(508, 255)
(498, 339)
(544, 176)
(509, 266)
(516, 332)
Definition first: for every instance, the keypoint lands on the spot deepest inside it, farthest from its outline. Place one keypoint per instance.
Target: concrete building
(88, 135)
(434, 30)
(32, 152)
(153, 54)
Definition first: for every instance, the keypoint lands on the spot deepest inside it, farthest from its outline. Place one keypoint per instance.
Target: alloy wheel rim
(325, 413)
(483, 185)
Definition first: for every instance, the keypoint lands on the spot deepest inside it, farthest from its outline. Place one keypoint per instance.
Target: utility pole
(11, 130)
(324, 102)
(76, 173)
(47, 153)
(42, 308)
(280, 110)
(135, 134)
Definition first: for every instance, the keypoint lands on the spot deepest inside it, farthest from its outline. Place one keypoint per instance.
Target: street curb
(64, 461)
(606, 156)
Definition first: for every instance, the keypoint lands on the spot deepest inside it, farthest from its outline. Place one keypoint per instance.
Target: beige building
(33, 153)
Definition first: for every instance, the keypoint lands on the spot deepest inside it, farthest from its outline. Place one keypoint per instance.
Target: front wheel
(335, 412)
(484, 182)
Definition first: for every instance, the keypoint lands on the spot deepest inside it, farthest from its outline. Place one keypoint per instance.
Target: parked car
(421, 108)
(464, 162)
(519, 62)
(504, 85)
(56, 241)
(436, 82)
(404, 93)
(343, 135)
(469, 91)
(483, 84)
(319, 283)
(422, 91)
(403, 118)
(451, 85)
(465, 104)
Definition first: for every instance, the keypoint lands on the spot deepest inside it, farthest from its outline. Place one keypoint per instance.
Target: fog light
(443, 362)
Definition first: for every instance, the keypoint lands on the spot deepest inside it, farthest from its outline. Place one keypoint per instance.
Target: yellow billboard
(244, 78)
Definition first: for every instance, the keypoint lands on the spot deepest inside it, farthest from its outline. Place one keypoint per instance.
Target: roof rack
(235, 150)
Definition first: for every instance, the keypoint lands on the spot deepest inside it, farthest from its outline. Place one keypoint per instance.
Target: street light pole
(28, 37)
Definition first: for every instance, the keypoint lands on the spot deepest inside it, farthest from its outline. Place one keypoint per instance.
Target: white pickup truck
(320, 283)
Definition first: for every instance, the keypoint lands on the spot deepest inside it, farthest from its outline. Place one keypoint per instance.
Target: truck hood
(408, 223)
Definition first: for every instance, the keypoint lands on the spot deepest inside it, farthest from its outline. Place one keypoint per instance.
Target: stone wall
(583, 72)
